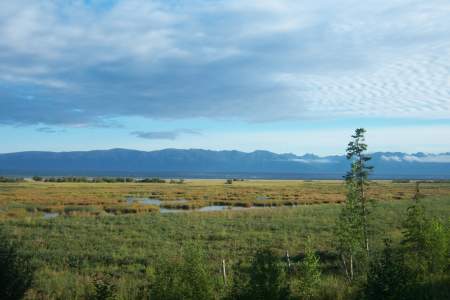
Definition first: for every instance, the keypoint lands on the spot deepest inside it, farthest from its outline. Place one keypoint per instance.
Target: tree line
(104, 179)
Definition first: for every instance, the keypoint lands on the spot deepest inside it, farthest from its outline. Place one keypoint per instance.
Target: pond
(147, 201)
(50, 215)
(220, 207)
(210, 208)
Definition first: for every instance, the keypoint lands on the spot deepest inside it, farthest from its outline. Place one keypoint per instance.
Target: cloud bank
(424, 158)
(163, 135)
(77, 64)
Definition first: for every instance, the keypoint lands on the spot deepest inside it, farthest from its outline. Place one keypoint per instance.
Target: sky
(281, 75)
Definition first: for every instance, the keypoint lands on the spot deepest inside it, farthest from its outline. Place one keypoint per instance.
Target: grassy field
(84, 240)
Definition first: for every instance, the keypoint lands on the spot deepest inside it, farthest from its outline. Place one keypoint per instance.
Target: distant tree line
(11, 179)
(231, 180)
(103, 179)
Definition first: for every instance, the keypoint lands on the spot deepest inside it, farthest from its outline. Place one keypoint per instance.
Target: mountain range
(198, 163)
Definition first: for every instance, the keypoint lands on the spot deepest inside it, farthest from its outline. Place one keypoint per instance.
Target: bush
(104, 287)
(10, 179)
(16, 273)
(151, 180)
(389, 277)
(416, 270)
(426, 242)
(37, 178)
(265, 279)
(187, 279)
(310, 273)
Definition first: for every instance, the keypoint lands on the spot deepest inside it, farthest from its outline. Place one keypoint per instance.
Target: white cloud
(313, 161)
(426, 158)
(253, 60)
(164, 135)
(394, 158)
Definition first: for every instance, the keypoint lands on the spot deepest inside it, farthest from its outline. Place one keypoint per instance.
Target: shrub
(37, 178)
(426, 242)
(310, 273)
(104, 287)
(187, 279)
(265, 279)
(389, 277)
(16, 272)
(152, 180)
(10, 179)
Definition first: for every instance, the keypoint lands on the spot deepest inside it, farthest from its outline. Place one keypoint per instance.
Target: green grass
(70, 250)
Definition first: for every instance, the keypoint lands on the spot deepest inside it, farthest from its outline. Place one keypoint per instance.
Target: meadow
(99, 231)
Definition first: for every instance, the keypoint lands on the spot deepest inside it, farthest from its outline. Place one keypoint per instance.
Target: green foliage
(310, 273)
(37, 178)
(98, 179)
(389, 277)
(349, 233)
(187, 279)
(10, 179)
(151, 180)
(104, 287)
(439, 246)
(265, 279)
(352, 228)
(179, 181)
(356, 153)
(16, 273)
(426, 242)
(417, 269)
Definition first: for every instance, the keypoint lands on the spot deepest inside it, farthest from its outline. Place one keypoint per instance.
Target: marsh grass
(69, 250)
(130, 240)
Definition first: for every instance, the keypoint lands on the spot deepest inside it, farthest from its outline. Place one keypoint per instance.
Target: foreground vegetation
(71, 253)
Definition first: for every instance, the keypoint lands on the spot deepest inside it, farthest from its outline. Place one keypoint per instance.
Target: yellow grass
(19, 199)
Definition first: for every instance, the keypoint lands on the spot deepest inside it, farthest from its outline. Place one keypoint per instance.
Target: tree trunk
(224, 273)
(351, 267)
(364, 210)
(345, 268)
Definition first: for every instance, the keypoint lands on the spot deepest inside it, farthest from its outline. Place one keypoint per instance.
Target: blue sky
(282, 75)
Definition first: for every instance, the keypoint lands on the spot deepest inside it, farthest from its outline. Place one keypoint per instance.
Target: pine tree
(357, 177)
(352, 225)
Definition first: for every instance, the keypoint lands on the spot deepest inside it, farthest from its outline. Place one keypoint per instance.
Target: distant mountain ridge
(199, 163)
